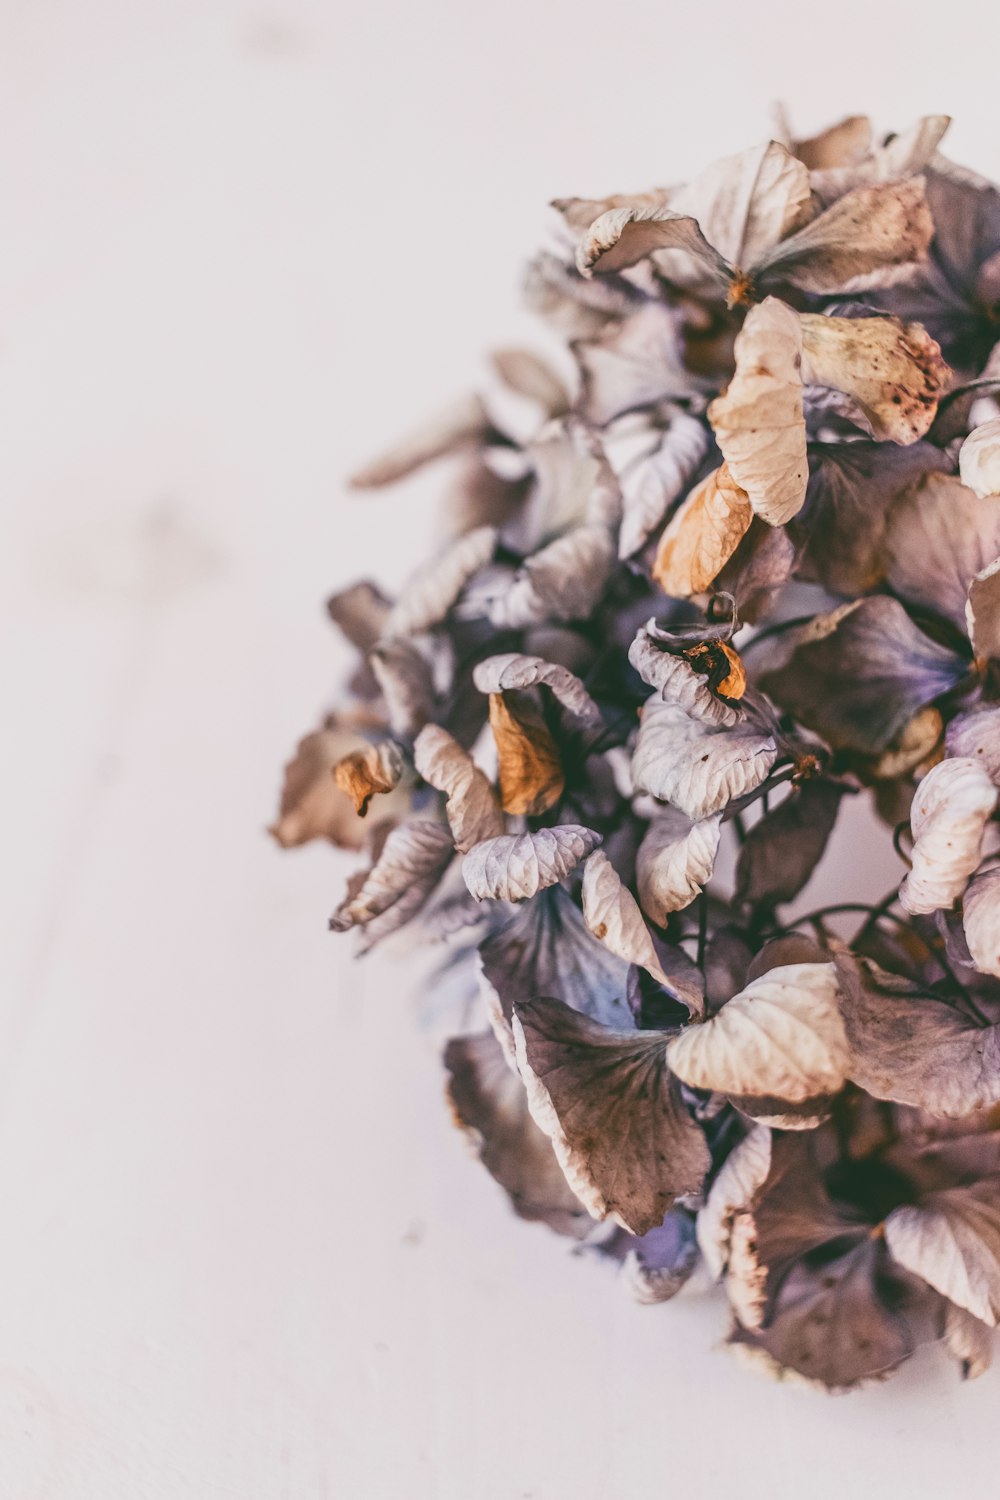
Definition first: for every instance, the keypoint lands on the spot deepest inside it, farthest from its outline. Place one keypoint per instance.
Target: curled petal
(892, 370)
(652, 486)
(363, 774)
(562, 581)
(702, 535)
(687, 677)
(612, 914)
(473, 810)
(979, 459)
(976, 735)
(951, 808)
(981, 921)
(982, 612)
(952, 1241)
(747, 203)
(513, 672)
(759, 422)
(406, 679)
(674, 861)
(743, 1172)
(516, 866)
(427, 598)
(622, 237)
(530, 771)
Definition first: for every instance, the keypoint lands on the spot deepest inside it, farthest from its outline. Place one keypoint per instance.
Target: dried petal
(893, 370)
(969, 1341)
(982, 612)
(979, 459)
(531, 773)
(652, 486)
(674, 861)
(981, 921)
(513, 672)
(360, 612)
(951, 808)
(871, 237)
(412, 861)
(405, 677)
(782, 850)
(363, 774)
(976, 735)
(746, 203)
(514, 867)
(612, 914)
(562, 581)
(635, 362)
(615, 1116)
(938, 538)
(779, 1042)
(915, 1048)
(473, 810)
(703, 535)
(743, 1172)
(427, 598)
(694, 766)
(462, 423)
(687, 678)
(759, 422)
(313, 806)
(952, 1241)
(621, 237)
(489, 1102)
(859, 674)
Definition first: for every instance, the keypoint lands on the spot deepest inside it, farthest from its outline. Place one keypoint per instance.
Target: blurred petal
(412, 861)
(430, 594)
(458, 425)
(939, 536)
(365, 773)
(979, 459)
(473, 810)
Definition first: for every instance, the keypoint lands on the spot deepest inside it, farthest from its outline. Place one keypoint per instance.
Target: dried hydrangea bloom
(733, 565)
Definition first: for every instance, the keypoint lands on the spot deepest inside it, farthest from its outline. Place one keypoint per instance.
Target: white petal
(759, 422)
(473, 810)
(694, 766)
(514, 867)
(674, 861)
(979, 459)
(981, 920)
(952, 1241)
(513, 672)
(951, 808)
(743, 1172)
(612, 914)
(780, 1038)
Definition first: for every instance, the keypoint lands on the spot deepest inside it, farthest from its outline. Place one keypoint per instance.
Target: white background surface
(243, 1254)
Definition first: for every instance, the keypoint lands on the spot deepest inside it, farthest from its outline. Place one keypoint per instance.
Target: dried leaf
(742, 1173)
(516, 866)
(531, 773)
(674, 861)
(759, 422)
(979, 459)
(951, 808)
(635, 362)
(779, 1042)
(615, 1116)
(360, 612)
(703, 535)
(473, 810)
(406, 680)
(612, 914)
(697, 768)
(893, 370)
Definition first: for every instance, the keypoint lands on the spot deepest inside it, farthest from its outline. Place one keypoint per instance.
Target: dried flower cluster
(741, 561)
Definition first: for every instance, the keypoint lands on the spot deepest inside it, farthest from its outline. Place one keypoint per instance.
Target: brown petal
(939, 536)
(703, 535)
(531, 773)
(982, 612)
(615, 1116)
(473, 811)
(893, 370)
(871, 237)
(759, 422)
(783, 848)
(312, 804)
(363, 774)
(490, 1104)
